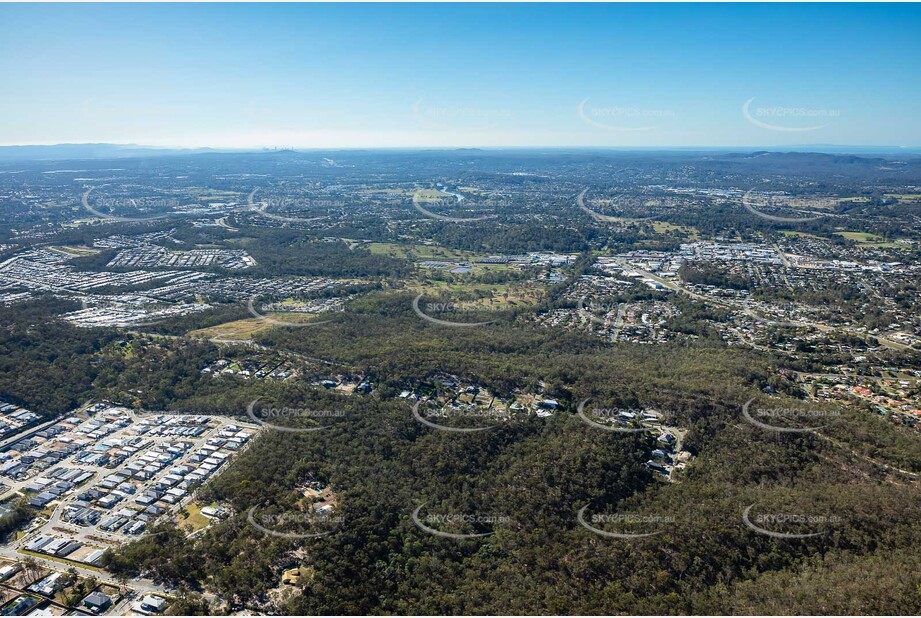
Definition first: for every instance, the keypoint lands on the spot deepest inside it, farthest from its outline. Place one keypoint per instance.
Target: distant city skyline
(247, 76)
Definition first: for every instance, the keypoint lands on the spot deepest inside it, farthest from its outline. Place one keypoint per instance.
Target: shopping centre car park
(105, 474)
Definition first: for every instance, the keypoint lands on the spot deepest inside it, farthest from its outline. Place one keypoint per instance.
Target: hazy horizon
(449, 76)
(801, 148)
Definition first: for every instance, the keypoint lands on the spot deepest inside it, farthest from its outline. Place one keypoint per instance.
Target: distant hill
(814, 156)
(61, 152)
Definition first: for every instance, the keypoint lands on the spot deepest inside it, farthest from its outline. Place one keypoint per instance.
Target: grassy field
(904, 197)
(243, 241)
(517, 294)
(432, 195)
(75, 251)
(492, 267)
(860, 236)
(245, 329)
(386, 248)
(475, 269)
(866, 239)
(422, 252)
(205, 193)
(385, 191)
(795, 233)
(661, 227)
(194, 519)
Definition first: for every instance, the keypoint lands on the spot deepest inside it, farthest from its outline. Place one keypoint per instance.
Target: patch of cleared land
(245, 329)
(75, 251)
(795, 233)
(860, 236)
(662, 227)
(904, 197)
(422, 252)
(431, 195)
(193, 518)
(502, 295)
(867, 239)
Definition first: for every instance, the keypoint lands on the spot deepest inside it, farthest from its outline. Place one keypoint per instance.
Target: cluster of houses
(244, 288)
(10, 298)
(258, 368)
(53, 545)
(667, 455)
(539, 259)
(41, 270)
(155, 256)
(173, 425)
(897, 398)
(41, 596)
(146, 466)
(149, 501)
(268, 367)
(121, 241)
(448, 396)
(24, 271)
(643, 322)
(13, 418)
(764, 267)
(33, 455)
(346, 383)
(664, 458)
(135, 312)
(53, 485)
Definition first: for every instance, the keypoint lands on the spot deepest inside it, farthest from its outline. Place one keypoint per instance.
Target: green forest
(536, 474)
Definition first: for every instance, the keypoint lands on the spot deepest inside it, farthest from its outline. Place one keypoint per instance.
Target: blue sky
(356, 75)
